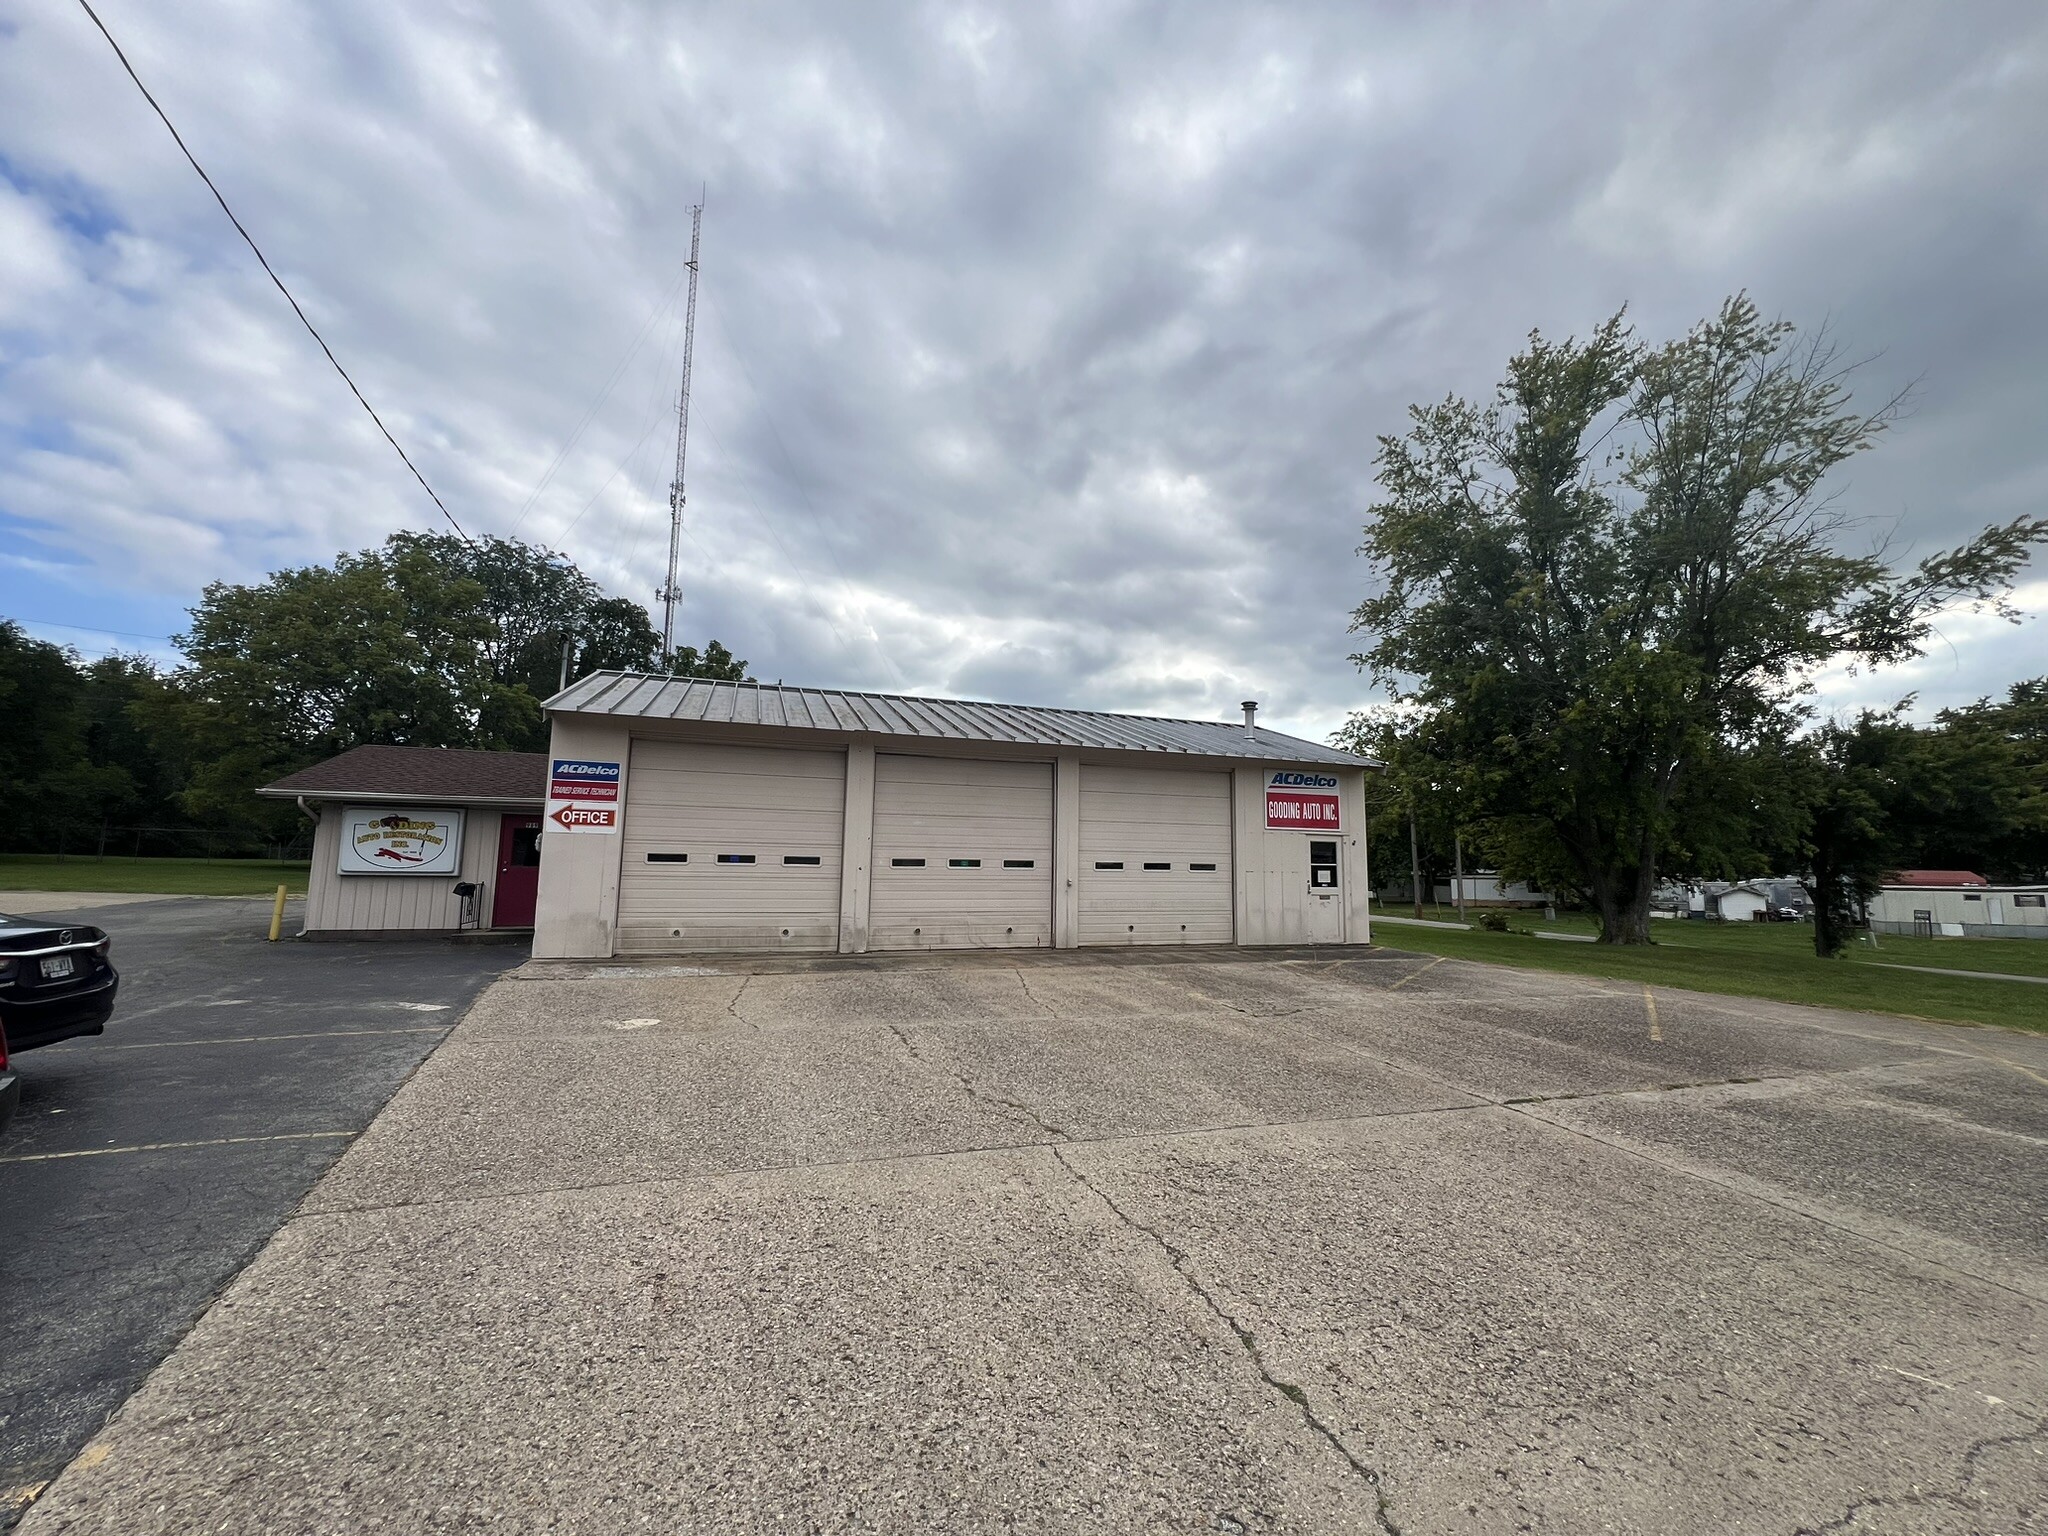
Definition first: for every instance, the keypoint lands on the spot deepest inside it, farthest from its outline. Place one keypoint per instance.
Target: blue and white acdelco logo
(1304, 781)
(570, 768)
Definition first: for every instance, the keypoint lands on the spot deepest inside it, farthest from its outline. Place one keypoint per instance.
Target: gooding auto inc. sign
(1299, 800)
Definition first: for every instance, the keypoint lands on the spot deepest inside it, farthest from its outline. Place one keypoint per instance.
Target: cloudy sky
(1041, 347)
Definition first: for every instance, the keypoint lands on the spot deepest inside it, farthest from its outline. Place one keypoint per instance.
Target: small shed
(1740, 903)
(420, 841)
(1485, 888)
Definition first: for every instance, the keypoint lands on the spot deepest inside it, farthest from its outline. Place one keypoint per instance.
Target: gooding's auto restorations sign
(380, 840)
(1301, 800)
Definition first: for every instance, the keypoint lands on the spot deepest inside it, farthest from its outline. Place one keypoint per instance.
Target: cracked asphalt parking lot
(147, 1164)
(1188, 1242)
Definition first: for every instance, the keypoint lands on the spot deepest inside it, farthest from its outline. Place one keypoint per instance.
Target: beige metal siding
(397, 903)
(1138, 816)
(700, 802)
(941, 810)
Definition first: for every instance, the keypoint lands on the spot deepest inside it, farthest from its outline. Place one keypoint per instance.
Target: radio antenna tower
(676, 498)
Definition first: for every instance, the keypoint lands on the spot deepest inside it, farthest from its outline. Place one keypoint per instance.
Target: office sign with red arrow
(573, 816)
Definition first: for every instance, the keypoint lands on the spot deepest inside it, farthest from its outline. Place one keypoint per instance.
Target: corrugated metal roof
(895, 714)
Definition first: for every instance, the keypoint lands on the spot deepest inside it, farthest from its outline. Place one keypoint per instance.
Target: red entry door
(518, 872)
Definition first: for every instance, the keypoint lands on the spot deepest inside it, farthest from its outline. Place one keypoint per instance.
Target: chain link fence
(207, 844)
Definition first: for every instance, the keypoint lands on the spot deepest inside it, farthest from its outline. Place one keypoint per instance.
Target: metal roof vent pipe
(1251, 708)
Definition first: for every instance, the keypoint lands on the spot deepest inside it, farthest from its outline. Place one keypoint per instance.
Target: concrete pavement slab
(1521, 1330)
(1591, 1042)
(973, 1344)
(1094, 1078)
(487, 1115)
(1240, 1246)
(497, 1117)
(1925, 1153)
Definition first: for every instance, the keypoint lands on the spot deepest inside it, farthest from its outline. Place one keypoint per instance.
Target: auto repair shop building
(419, 841)
(686, 815)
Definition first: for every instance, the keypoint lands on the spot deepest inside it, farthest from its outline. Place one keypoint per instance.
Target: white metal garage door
(731, 848)
(963, 854)
(1155, 857)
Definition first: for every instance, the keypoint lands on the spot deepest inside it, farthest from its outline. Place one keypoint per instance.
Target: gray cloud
(1043, 348)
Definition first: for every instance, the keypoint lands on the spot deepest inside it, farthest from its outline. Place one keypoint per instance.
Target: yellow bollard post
(277, 915)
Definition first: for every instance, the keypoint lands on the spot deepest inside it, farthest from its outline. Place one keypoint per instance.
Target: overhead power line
(308, 324)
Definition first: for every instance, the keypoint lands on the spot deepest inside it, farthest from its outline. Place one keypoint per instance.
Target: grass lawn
(163, 877)
(1772, 960)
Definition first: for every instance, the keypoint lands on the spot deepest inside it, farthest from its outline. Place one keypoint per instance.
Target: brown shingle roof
(421, 773)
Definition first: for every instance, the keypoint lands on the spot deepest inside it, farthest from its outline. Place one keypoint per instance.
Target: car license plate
(60, 965)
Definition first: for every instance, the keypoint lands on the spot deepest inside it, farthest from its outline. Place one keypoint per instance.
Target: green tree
(75, 757)
(538, 603)
(430, 640)
(1603, 593)
(1855, 777)
(1989, 763)
(715, 662)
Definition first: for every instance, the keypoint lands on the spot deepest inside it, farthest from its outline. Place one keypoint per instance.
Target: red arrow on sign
(585, 818)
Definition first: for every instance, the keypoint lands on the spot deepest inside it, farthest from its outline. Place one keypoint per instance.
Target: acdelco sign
(579, 779)
(1301, 801)
(583, 795)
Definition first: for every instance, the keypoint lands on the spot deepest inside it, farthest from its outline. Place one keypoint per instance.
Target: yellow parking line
(175, 1146)
(1650, 1002)
(1397, 986)
(2007, 1062)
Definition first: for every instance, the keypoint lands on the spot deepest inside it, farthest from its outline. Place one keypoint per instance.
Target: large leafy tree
(714, 661)
(1968, 792)
(75, 757)
(429, 640)
(1603, 593)
(1990, 773)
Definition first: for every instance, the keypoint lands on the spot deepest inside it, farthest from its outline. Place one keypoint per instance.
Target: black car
(55, 981)
(10, 1085)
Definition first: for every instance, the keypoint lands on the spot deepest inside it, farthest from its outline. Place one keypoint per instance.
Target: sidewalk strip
(1940, 970)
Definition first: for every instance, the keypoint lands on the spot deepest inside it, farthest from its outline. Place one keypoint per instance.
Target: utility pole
(1414, 865)
(1458, 860)
(675, 488)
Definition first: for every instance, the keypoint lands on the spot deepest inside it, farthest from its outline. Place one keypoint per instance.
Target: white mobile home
(1971, 908)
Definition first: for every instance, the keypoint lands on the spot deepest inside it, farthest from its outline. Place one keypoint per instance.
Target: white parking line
(97, 1045)
(176, 1146)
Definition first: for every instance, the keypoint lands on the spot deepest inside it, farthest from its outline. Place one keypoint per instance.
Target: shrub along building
(686, 815)
(419, 841)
